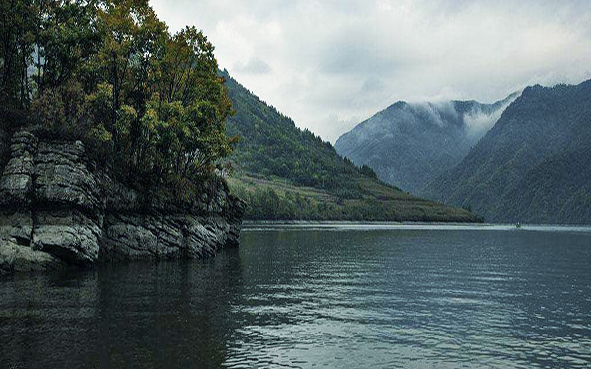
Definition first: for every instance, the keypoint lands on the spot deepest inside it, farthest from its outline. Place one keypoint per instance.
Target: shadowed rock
(55, 210)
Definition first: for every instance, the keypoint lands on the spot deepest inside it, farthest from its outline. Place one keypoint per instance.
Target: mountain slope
(533, 166)
(271, 144)
(408, 145)
(287, 173)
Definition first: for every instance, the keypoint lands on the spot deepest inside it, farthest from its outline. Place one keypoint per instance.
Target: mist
(479, 122)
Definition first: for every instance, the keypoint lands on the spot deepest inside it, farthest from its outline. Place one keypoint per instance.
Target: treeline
(148, 103)
(267, 204)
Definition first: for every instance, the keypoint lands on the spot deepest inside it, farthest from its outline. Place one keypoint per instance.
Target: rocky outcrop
(57, 209)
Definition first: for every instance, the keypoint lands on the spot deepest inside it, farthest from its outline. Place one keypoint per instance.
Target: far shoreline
(252, 225)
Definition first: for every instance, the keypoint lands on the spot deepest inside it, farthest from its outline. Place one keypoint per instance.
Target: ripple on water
(484, 304)
(378, 297)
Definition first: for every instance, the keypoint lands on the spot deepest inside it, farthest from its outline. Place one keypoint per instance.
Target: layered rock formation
(57, 209)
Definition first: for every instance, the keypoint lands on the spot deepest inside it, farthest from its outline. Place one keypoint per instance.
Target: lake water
(336, 296)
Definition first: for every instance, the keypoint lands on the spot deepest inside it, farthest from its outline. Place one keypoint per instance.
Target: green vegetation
(533, 165)
(271, 145)
(153, 109)
(274, 198)
(149, 104)
(285, 173)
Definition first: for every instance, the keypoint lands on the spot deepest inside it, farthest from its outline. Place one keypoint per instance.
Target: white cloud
(314, 59)
(478, 122)
(253, 66)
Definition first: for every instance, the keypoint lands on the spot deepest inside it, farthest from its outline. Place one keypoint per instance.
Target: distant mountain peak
(534, 165)
(398, 105)
(289, 173)
(408, 144)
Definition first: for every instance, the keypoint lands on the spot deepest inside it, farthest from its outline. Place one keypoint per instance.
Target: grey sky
(331, 64)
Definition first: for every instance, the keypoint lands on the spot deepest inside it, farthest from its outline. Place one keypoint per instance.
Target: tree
(18, 19)
(110, 72)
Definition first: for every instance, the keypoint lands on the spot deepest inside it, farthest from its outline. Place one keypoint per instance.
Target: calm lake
(336, 296)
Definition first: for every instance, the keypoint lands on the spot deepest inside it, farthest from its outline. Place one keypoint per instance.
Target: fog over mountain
(533, 166)
(327, 64)
(288, 173)
(409, 144)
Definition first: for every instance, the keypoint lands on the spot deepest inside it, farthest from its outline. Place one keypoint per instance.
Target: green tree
(18, 20)
(109, 72)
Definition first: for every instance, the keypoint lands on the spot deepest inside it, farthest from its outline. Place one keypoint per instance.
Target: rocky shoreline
(58, 209)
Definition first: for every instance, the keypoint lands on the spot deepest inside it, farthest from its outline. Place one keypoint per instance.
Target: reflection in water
(332, 296)
(148, 315)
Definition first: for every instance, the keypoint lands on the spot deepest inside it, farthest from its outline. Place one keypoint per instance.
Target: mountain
(271, 144)
(288, 173)
(533, 166)
(408, 145)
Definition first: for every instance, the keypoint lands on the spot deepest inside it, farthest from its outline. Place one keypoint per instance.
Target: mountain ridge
(533, 165)
(409, 144)
(288, 173)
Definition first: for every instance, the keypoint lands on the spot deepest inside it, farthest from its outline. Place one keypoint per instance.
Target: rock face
(57, 209)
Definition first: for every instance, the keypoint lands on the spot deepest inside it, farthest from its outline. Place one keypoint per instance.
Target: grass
(378, 202)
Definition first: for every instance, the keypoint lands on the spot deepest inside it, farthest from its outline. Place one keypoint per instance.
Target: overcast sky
(332, 64)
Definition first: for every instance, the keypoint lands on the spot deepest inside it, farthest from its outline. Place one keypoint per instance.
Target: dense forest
(149, 104)
(533, 165)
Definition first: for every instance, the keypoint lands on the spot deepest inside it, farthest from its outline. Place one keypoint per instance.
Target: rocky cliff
(57, 208)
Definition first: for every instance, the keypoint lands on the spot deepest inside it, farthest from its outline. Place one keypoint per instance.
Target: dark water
(343, 297)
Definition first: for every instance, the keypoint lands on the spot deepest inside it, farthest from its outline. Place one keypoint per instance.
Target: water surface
(323, 295)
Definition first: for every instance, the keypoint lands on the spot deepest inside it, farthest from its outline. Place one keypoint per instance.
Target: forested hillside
(408, 145)
(271, 144)
(288, 173)
(534, 165)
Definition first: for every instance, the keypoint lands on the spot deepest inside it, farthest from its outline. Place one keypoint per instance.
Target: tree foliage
(109, 72)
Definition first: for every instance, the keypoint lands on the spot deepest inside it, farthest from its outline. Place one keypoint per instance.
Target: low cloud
(479, 122)
(439, 111)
